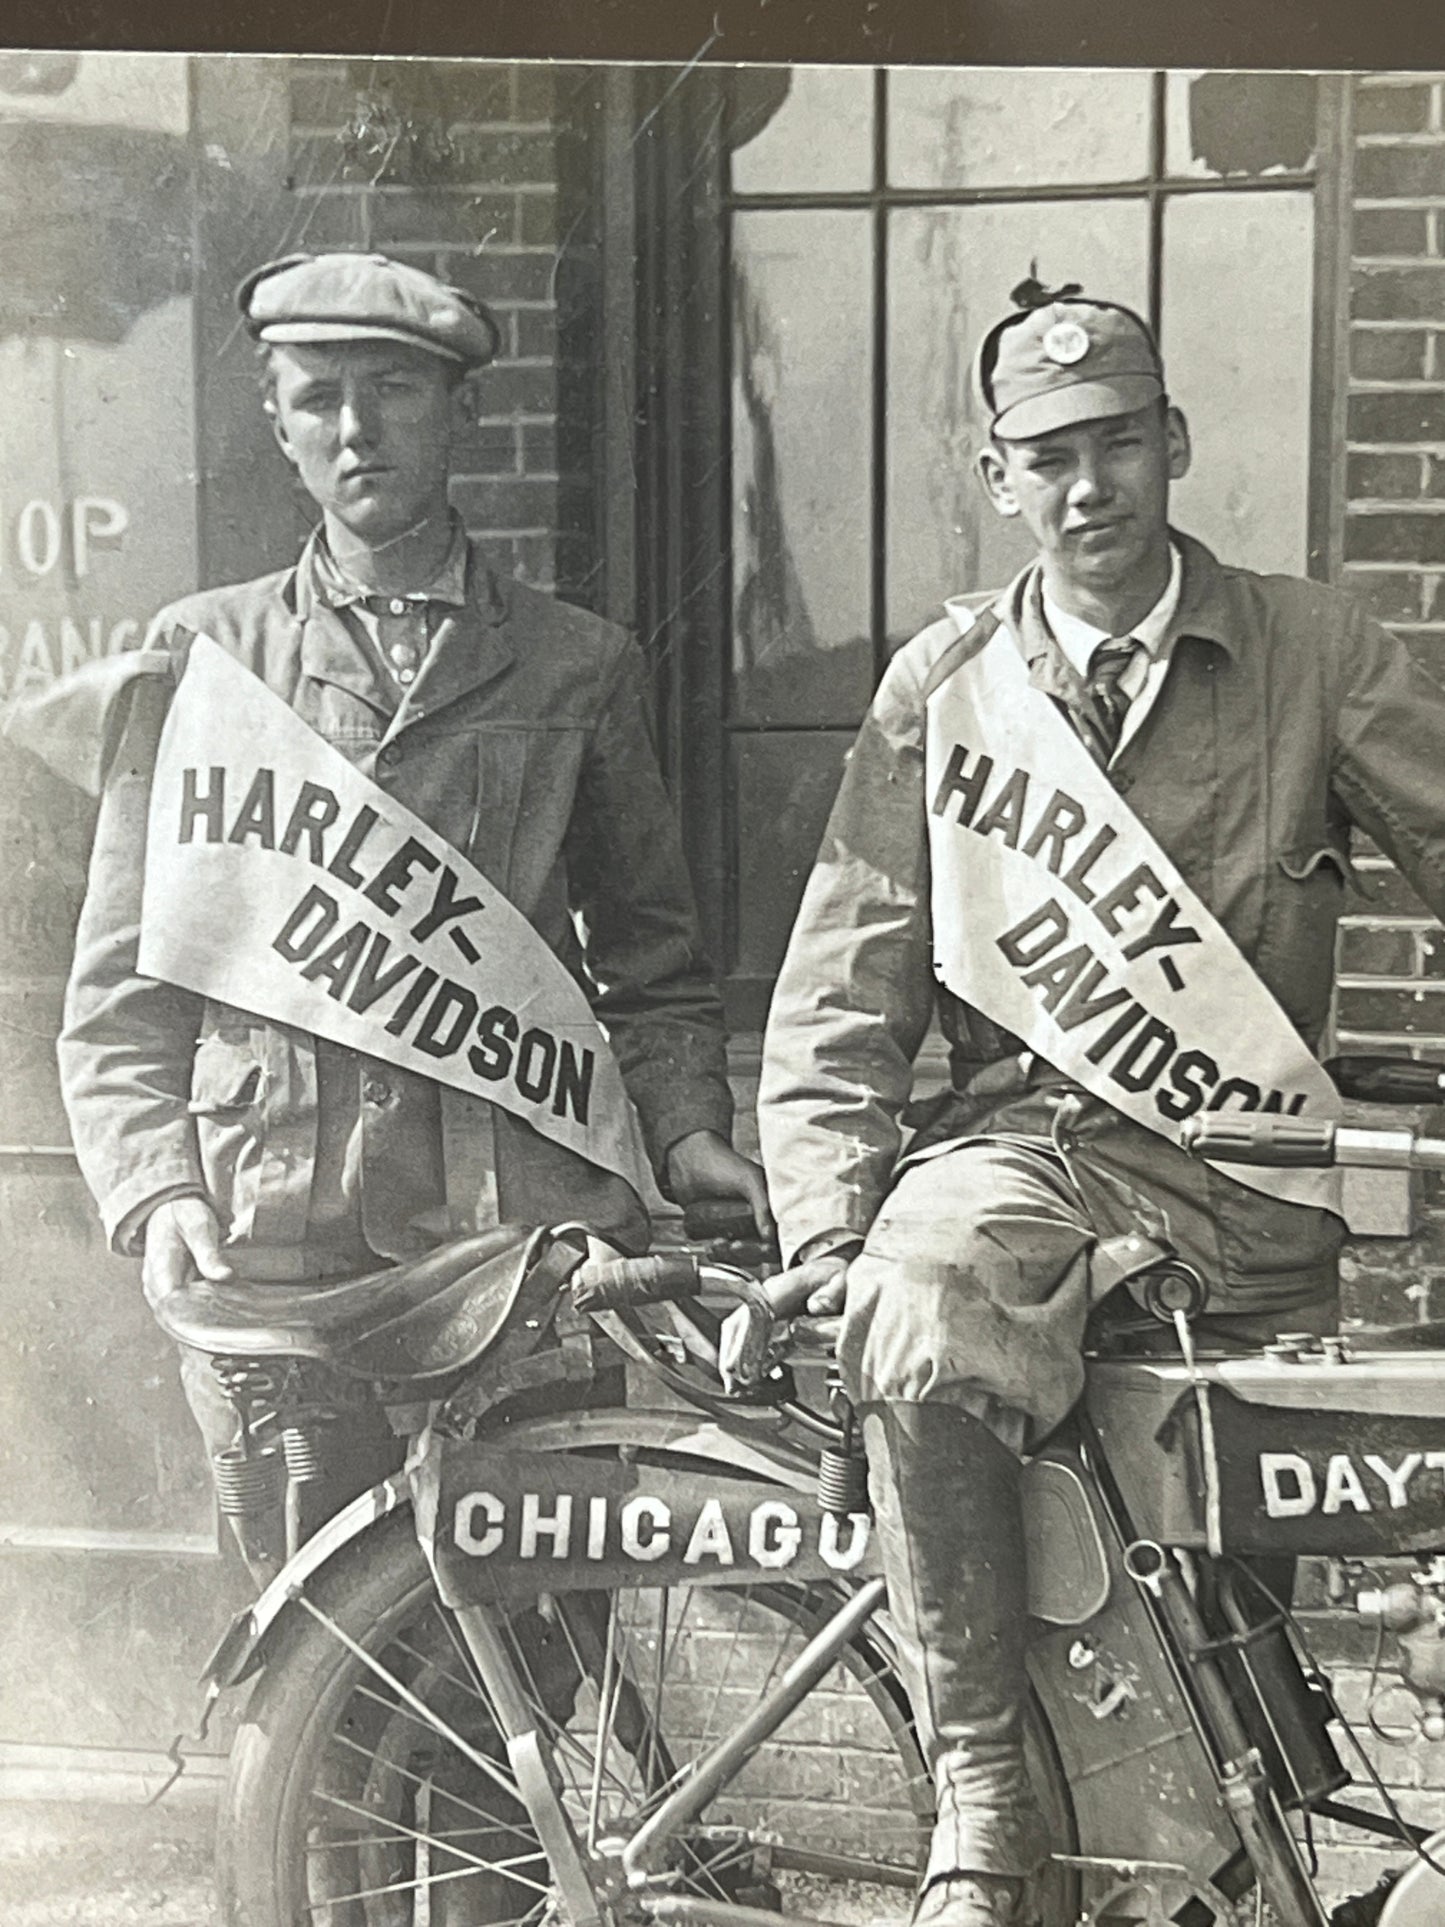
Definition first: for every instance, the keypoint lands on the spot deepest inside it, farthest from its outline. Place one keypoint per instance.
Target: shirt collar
(338, 589)
(1206, 609)
(1079, 639)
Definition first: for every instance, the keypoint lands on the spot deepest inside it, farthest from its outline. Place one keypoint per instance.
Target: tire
(343, 1805)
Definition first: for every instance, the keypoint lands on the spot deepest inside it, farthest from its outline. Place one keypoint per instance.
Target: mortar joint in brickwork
(1396, 385)
(1363, 921)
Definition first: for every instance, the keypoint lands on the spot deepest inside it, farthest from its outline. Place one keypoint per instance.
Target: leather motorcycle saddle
(411, 1323)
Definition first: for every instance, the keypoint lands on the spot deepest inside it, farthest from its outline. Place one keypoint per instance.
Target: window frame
(691, 604)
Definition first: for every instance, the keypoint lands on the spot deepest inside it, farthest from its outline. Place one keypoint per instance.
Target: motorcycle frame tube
(539, 1791)
(709, 1775)
(1244, 1788)
(718, 1765)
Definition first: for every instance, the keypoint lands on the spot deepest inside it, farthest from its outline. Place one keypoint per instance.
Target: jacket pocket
(228, 1086)
(226, 1079)
(1276, 1253)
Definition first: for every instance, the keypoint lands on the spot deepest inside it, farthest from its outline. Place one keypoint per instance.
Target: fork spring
(842, 1481)
(247, 1484)
(302, 1447)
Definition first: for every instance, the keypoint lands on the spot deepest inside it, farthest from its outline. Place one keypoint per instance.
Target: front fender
(242, 1646)
(236, 1657)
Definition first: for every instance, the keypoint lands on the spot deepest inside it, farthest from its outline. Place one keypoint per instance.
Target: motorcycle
(613, 1647)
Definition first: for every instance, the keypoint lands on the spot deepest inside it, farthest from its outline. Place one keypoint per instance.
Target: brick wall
(1393, 958)
(1392, 952)
(455, 167)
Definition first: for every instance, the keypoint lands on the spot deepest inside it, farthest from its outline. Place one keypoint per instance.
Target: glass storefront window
(784, 783)
(1003, 127)
(950, 272)
(1247, 492)
(802, 355)
(814, 130)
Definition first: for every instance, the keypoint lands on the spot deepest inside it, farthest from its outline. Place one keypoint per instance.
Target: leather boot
(946, 1502)
(966, 1900)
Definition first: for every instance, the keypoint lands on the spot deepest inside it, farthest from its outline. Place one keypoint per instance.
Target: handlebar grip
(1388, 1080)
(719, 1218)
(1252, 1137)
(635, 1281)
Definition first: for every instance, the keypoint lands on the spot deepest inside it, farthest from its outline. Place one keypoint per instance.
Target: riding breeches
(975, 1282)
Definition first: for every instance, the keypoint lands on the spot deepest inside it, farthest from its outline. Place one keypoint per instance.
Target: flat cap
(1066, 361)
(366, 297)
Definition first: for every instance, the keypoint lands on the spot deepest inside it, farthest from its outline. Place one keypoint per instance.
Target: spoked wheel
(369, 1786)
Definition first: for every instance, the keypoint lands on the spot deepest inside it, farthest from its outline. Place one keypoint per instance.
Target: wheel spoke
(347, 1841)
(413, 1778)
(606, 1708)
(431, 1723)
(471, 1687)
(560, 1735)
(424, 1881)
(428, 1716)
(474, 1861)
(707, 1725)
(404, 1786)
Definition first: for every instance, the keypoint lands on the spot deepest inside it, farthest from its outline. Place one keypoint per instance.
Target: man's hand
(704, 1165)
(182, 1242)
(815, 1287)
(743, 1341)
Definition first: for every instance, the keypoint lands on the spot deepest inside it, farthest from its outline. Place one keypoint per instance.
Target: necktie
(1105, 704)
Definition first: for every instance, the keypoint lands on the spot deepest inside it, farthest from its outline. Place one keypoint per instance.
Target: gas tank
(1317, 1449)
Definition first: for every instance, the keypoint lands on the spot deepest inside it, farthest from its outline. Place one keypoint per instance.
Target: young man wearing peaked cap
(1101, 822)
(218, 1143)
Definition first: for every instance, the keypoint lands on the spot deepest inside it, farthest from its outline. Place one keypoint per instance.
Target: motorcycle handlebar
(611, 1284)
(1252, 1137)
(1246, 1137)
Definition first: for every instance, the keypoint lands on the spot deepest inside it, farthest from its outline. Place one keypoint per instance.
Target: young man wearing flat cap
(219, 1141)
(1100, 824)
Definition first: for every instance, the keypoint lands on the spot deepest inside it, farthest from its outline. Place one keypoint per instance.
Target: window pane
(985, 127)
(1228, 259)
(784, 784)
(1234, 123)
(802, 129)
(950, 272)
(802, 354)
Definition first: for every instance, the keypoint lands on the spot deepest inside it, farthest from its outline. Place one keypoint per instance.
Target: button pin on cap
(1066, 342)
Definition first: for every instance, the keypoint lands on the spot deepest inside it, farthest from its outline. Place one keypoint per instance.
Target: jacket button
(388, 756)
(375, 1090)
